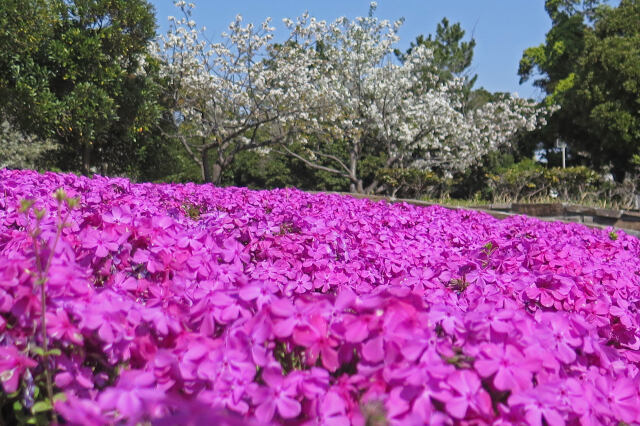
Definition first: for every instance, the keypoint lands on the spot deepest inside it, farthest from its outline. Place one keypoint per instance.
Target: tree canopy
(77, 72)
(590, 66)
(451, 55)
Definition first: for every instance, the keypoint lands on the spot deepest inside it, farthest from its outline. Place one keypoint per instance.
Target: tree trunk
(86, 157)
(216, 175)
(356, 184)
(372, 187)
(207, 172)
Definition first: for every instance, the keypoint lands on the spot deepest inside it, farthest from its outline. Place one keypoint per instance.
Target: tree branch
(314, 165)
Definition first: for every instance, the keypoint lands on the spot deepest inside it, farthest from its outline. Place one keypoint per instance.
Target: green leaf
(37, 350)
(41, 406)
(59, 397)
(54, 351)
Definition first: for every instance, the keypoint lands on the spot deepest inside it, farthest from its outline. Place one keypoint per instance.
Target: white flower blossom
(336, 81)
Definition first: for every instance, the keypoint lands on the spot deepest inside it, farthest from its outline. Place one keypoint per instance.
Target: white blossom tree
(402, 112)
(243, 92)
(326, 85)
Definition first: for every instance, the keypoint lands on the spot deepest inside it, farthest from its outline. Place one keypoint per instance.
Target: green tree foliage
(77, 71)
(451, 55)
(552, 61)
(25, 26)
(590, 66)
(606, 95)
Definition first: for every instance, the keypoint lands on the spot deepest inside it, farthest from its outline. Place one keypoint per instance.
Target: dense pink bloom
(297, 308)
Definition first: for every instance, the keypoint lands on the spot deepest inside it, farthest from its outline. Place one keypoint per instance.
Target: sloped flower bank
(188, 303)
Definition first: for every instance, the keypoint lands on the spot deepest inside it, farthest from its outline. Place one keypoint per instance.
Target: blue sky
(502, 28)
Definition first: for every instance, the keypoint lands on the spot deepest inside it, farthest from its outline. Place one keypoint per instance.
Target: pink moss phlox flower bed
(190, 304)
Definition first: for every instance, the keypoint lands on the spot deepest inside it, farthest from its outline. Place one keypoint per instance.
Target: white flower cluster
(241, 92)
(336, 82)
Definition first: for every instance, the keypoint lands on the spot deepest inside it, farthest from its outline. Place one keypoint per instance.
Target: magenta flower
(60, 327)
(562, 339)
(80, 411)
(289, 307)
(279, 394)
(253, 336)
(538, 404)
(101, 242)
(513, 371)
(227, 396)
(134, 394)
(118, 215)
(264, 293)
(316, 338)
(12, 365)
(330, 410)
(466, 395)
(294, 315)
(618, 397)
(550, 289)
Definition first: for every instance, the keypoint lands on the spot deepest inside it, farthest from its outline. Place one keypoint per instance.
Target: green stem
(43, 274)
(42, 279)
(45, 347)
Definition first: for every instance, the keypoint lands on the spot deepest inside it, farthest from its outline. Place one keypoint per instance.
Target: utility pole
(563, 146)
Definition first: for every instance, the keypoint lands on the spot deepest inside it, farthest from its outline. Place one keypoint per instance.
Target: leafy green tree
(590, 66)
(552, 61)
(25, 27)
(451, 55)
(606, 94)
(77, 71)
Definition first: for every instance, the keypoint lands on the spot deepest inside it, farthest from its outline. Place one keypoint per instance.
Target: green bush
(529, 182)
(524, 181)
(414, 183)
(19, 150)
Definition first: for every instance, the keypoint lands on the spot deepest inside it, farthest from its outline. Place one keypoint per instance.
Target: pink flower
(12, 365)
(100, 241)
(618, 396)
(316, 338)
(513, 371)
(538, 404)
(118, 215)
(60, 327)
(294, 315)
(330, 410)
(279, 394)
(466, 394)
